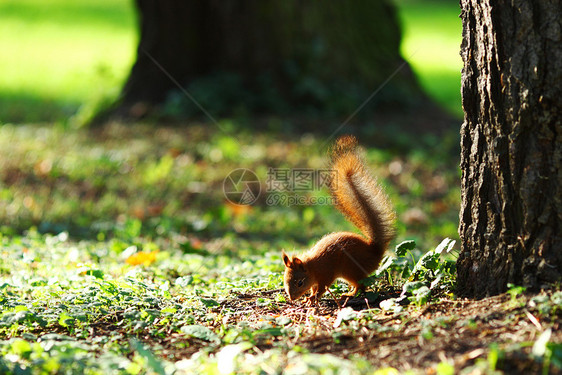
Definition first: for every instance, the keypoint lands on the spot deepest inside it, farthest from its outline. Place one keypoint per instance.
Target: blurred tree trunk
(511, 158)
(305, 52)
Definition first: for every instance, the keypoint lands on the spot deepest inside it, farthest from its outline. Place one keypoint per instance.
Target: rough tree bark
(511, 139)
(305, 52)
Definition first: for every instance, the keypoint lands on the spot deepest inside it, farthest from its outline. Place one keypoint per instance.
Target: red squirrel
(345, 255)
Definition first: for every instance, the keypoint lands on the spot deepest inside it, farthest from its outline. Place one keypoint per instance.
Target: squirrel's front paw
(311, 301)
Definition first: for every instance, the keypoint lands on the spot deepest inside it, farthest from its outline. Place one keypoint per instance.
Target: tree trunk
(267, 56)
(511, 139)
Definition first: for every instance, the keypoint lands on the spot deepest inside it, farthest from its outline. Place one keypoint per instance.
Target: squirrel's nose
(291, 297)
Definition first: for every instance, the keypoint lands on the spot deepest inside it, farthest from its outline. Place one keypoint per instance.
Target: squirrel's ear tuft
(297, 262)
(286, 259)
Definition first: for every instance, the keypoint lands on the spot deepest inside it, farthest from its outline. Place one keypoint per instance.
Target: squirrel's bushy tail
(357, 194)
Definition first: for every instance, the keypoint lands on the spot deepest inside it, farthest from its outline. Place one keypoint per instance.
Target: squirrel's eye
(300, 283)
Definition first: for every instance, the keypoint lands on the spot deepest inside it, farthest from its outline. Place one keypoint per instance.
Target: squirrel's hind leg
(355, 287)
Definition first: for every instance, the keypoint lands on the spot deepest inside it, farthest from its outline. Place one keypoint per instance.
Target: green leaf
(184, 281)
(273, 331)
(65, 320)
(200, 332)
(209, 302)
(436, 281)
(515, 290)
(446, 243)
(389, 304)
(422, 293)
(98, 274)
(385, 264)
(404, 247)
(169, 310)
(406, 271)
(428, 261)
(154, 363)
(344, 315)
(556, 298)
(411, 286)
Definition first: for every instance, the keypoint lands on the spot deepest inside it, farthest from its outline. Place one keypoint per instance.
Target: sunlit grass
(431, 44)
(60, 54)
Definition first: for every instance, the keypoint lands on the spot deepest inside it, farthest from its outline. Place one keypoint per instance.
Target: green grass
(431, 43)
(57, 179)
(118, 251)
(61, 57)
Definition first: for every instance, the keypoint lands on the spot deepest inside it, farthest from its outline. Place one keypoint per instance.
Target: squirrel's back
(358, 196)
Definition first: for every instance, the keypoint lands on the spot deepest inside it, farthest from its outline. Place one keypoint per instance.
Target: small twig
(474, 354)
(337, 303)
(367, 303)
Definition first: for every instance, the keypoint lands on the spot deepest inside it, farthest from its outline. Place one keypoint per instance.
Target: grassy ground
(120, 254)
(431, 43)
